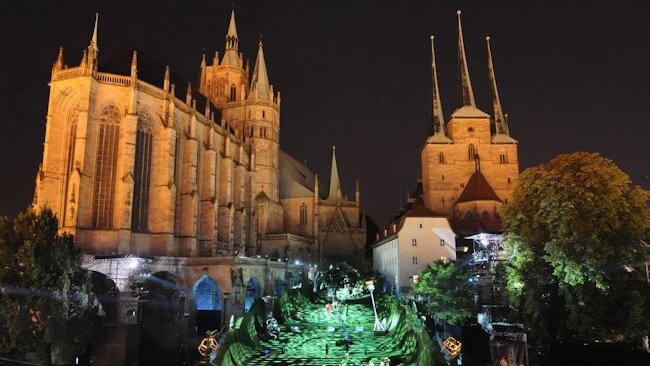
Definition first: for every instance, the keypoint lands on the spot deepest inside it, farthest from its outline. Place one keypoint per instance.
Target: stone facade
(136, 161)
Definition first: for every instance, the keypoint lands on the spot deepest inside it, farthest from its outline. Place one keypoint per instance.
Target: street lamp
(225, 309)
(370, 285)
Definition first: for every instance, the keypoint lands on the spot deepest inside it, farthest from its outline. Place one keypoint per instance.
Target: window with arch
(263, 114)
(441, 157)
(106, 167)
(142, 172)
(303, 214)
(69, 152)
(471, 152)
(233, 93)
(503, 158)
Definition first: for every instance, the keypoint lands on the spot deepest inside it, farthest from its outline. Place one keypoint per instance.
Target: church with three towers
(138, 161)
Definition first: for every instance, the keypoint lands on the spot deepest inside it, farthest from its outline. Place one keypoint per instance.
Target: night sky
(356, 74)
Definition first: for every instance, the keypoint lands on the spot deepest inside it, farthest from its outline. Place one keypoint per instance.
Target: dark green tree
(45, 302)
(447, 291)
(574, 228)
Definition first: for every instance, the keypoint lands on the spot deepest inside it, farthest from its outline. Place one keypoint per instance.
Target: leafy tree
(447, 291)
(45, 299)
(574, 227)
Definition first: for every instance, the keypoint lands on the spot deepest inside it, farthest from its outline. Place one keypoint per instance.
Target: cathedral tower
(469, 164)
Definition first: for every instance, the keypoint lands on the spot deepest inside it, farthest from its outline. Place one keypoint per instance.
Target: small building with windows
(407, 246)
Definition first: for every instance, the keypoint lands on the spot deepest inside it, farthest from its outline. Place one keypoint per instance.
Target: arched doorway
(162, 320)
(106, 296)
(209, 303)
(253, 292)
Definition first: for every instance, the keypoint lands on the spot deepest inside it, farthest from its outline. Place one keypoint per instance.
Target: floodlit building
(470, 163)
(165, 181)
(137, 160)
(407, 246)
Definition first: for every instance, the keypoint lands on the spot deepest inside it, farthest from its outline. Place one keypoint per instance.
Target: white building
(416, 239)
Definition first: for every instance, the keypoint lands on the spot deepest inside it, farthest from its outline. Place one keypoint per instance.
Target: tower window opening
(263, 114)
(503, 158)
(233, 93)
(471, 152)
(443, 177)
(415, 260)
(509, 181)
(441, 157)
(69, 160)
(414, 242)
(442, 242)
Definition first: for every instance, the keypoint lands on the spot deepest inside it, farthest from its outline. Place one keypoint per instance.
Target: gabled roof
(478, 189)
(296, 180)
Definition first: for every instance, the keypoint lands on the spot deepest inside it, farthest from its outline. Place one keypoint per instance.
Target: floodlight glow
(133, 263)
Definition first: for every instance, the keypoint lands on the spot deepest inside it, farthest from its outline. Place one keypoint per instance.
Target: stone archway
(208, 299)
(163, 326)
(106, 297)
(253, 291)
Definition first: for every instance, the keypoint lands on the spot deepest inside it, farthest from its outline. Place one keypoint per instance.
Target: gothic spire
(465, 92)
(260, 80)
(231, 55)
(499, 119)
(335, 184)
(439, 132)
(93, 48)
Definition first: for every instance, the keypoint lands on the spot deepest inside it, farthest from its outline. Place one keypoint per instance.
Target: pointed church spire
(499, 118)
(465, 92)
(438, 118)
(231, 55)
(93, 49)
(232, 29)
(260, 80)
(93, 40)
(335, 184)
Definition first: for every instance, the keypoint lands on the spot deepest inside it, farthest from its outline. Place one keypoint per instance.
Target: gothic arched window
(233, 93)
(69, 151)
(142, 172)
(503, 158)
(303, 214)
(441, 157)
(471, 152)
(106, 167)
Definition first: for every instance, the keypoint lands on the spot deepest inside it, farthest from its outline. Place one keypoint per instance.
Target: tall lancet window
(106, 167)
(441, 157)
(303, 214)
(142, 172)
(69, 156)
(471, 152)
(233, 93)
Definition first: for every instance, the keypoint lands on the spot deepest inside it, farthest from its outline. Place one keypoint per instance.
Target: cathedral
(469, 162)
(138, 161)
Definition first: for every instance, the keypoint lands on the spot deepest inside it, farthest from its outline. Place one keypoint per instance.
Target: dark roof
(153, 72)
(478, 189)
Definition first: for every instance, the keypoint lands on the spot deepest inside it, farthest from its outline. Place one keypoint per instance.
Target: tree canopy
(447, 291)
(574, 227)
(45, 299)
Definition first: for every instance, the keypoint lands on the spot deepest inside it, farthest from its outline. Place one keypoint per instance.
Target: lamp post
(371, 287)
(224, 315)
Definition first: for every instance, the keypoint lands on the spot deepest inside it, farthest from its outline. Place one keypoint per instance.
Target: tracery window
(303, 214)
(142, 172)
(471, 152)
(69, 151)
(106, 167)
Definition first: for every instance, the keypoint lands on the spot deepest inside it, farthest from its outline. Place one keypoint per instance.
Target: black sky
(356, 74)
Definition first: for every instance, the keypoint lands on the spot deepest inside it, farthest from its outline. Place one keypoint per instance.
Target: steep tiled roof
(478, 189)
